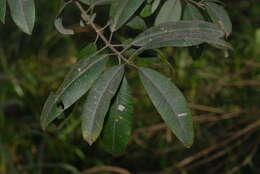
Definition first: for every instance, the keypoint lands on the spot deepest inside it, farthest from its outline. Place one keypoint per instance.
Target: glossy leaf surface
(77, 82)
(170, 103)
(23, 14)
(117, 129)
(170, 12)
(98, 102)
(181, 34)
(121, 11)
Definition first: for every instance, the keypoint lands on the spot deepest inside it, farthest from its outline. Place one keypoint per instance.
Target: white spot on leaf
(182, 115)
(121, 108)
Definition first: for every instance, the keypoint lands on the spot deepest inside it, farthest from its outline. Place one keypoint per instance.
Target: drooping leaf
(121, 11)
(170, 103)
(23, 14)
(77, 82)
(170, 12)
(191, 12)
(59, 26)
(2, 10)
(181, 34)
(117, 128)
(219, 15)
(98, 102)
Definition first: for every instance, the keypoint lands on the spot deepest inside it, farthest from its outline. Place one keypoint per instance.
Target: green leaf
(219, 15)
(170, 11)
(121, 11)
(117, 128)
(137, 23)
(23, 14)
(170, 103)
(98, 102)
(146, 11)
(2, 10)
(77, 82)
(88, 50)
(181, 34)
(191, 12)
(155, 5)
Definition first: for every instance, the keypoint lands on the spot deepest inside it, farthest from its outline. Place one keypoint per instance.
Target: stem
(87, 19)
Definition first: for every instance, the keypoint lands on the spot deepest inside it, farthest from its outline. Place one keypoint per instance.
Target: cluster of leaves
(107, 111)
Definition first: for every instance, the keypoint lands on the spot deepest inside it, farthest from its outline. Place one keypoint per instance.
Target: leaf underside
(170, 103)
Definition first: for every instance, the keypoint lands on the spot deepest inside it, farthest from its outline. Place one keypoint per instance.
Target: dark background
(224, 95)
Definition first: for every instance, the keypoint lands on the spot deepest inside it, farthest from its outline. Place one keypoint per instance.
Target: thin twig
(106, 169)
(87, 18)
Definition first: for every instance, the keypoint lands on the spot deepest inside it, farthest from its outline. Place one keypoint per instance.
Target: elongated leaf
(170, 12)
(181, 34)
(170, 103)
(2, 10)
(23, 14)
(98, 102)
(220, 16)
(117, 129)
(191, 12)
(77, 83)
(121, 11)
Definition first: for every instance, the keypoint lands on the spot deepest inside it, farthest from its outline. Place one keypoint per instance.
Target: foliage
(168, 30)
(28, 82)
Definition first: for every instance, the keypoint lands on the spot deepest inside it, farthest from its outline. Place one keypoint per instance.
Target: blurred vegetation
(224, 94)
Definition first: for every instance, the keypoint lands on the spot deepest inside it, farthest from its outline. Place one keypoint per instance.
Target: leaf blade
(2, 10)
(170, 103)
(121, 11)
(98, 102)
(180, 34)
(117, 129)
(77, 82)
(191, 12)
(23, 14)
(219, 15)
(172, 7)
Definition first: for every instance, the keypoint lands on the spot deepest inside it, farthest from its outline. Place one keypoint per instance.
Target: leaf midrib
(176, 115)
(101, 96)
